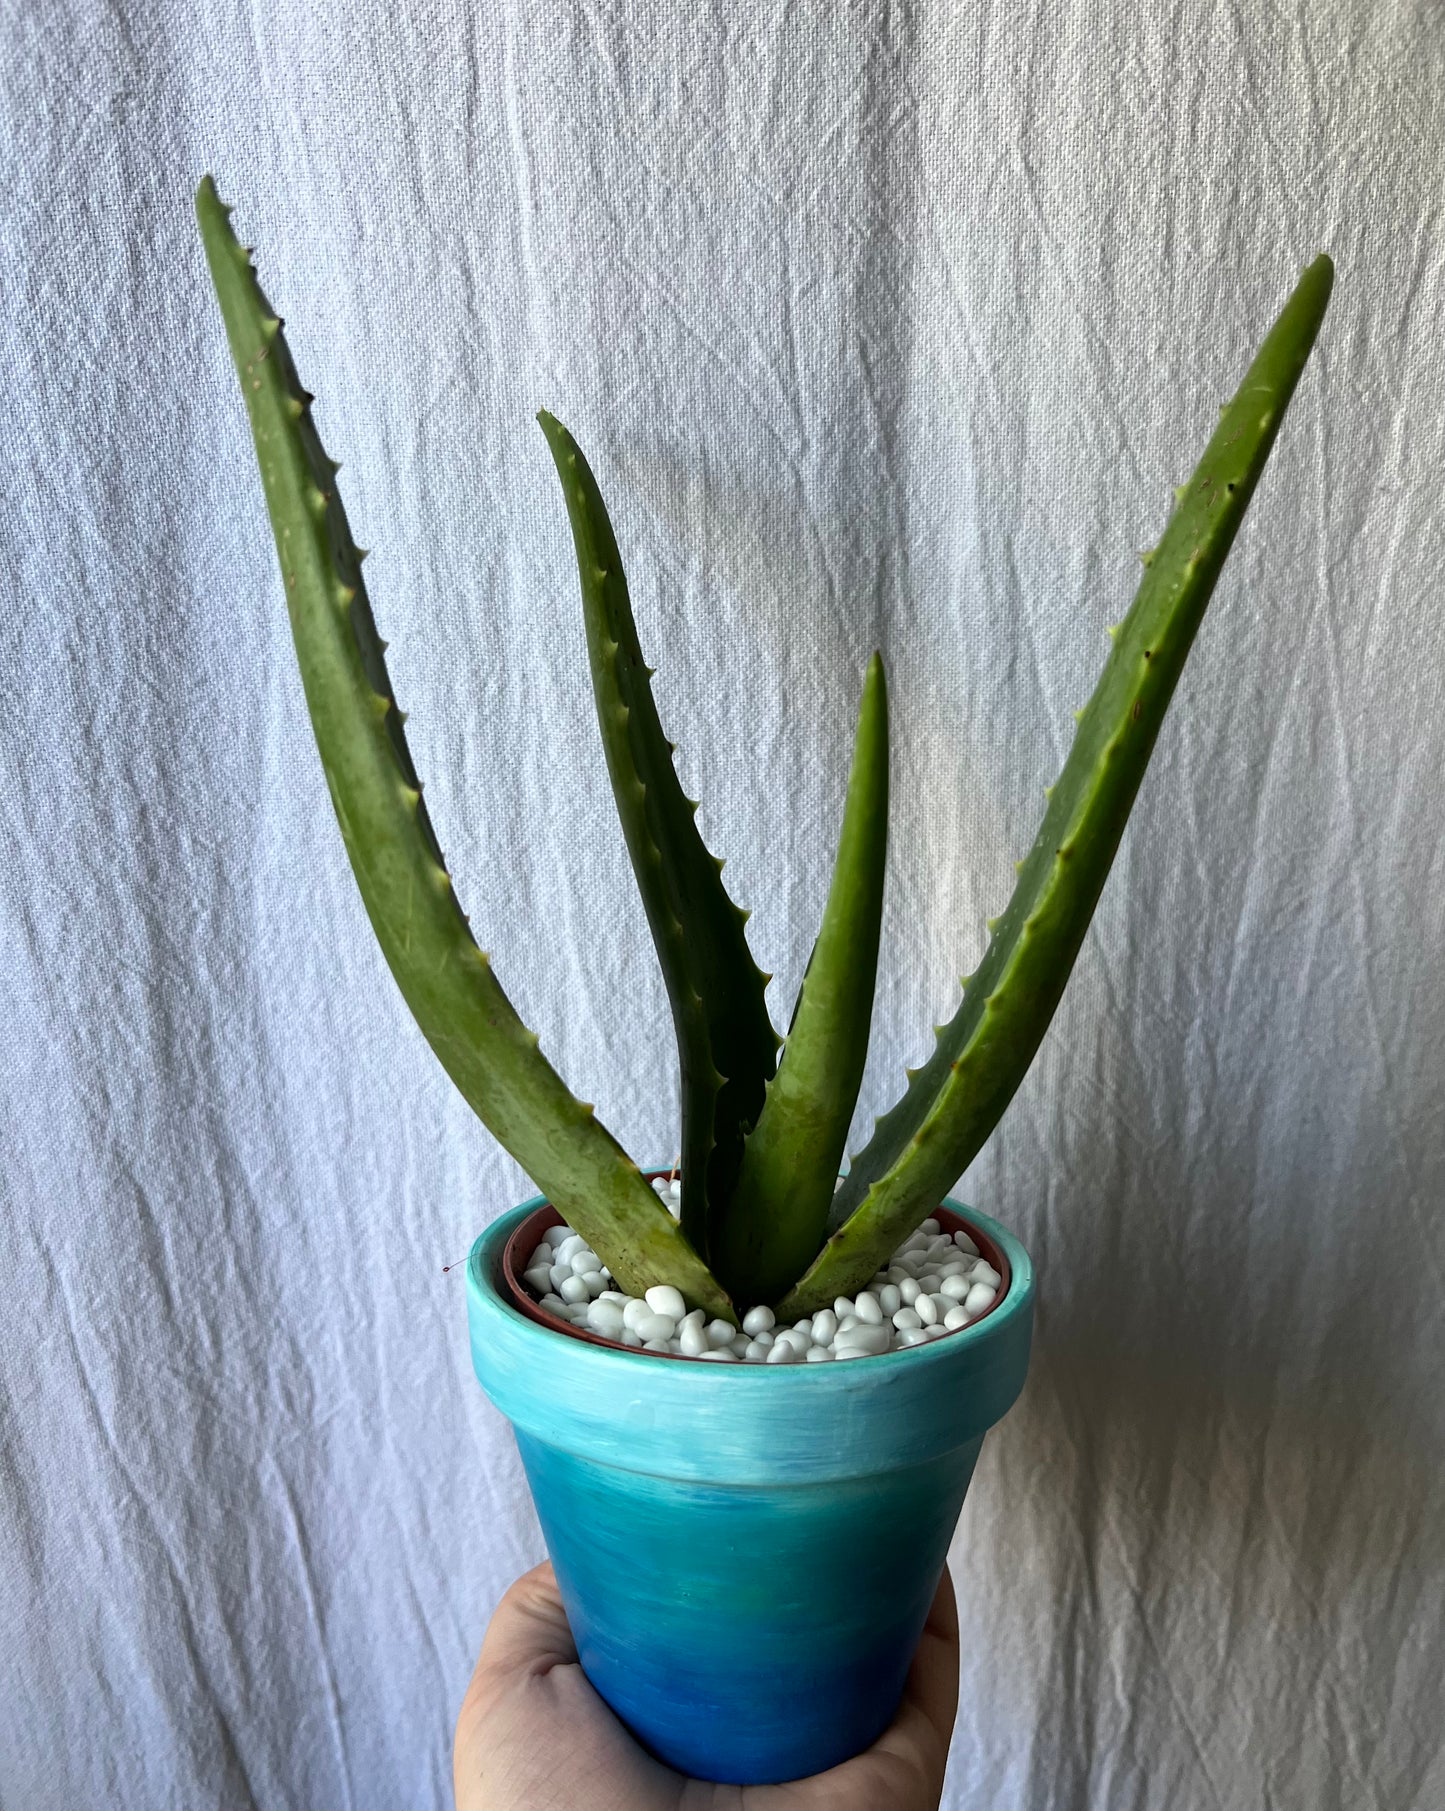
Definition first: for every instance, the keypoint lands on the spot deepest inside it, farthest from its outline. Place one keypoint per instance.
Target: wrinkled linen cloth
(883, 326)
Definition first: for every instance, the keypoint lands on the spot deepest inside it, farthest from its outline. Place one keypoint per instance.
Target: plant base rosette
(747, 1554)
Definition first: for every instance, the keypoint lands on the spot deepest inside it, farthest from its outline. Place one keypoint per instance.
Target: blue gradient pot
(747, 1553)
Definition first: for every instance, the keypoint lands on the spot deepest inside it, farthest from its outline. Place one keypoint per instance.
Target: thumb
(529, 1633)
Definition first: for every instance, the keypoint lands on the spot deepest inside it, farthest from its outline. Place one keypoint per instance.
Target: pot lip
(495, 1262)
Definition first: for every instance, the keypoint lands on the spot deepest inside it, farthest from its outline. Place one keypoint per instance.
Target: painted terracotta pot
(747, 1553)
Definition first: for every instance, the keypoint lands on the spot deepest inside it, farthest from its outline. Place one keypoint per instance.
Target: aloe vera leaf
(446, 980)
(779, 1213)
(924, 1143)
(726, 1044)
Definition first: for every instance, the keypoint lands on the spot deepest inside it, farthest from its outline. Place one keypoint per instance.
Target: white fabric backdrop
(883, 325)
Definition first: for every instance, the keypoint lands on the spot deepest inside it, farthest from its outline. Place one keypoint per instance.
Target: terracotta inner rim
(528, 1236)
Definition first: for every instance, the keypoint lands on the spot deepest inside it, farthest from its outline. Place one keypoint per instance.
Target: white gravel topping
(933, 1285)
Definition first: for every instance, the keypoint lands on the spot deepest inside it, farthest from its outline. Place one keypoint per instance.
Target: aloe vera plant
(763, 1134)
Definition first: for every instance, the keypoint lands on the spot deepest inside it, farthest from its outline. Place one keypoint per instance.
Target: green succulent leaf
(779, 1214)
(726, 1044)
(922, 1145)
(446, 980)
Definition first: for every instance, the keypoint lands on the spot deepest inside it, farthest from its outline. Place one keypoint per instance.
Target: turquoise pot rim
(644, 1413)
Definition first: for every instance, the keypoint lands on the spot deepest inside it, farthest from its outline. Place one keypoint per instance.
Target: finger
(933, 1678)
(529, 1632)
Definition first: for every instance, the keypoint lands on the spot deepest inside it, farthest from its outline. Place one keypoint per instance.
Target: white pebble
(573, 1289)
(915, 1336)
(692, 1340)
(930, 1226)
(573, 1242)
(804, 1326)
(541, 1255)
(783, 1352)
(554, 1303)
(865, 1337)
(956, 1318)
(605, 1318)
(936, 1331)
(722, 1355)
(848, 1322)
(634, 1312)
(538, 1279)
(979, 1299)
(825, 1326)
(766, 1337)
(656, 1345)
(868, 1308)
(697, 1317)
(616, 1296)
(756, 1352)
(595, 1282)
(629, 1338)
(985, 1273)
(720, 1333)
(652, 1325)
(759, 1320)
(842, 1307)
(584, 1260)
(889, 1299)
(907, 1321)
(955, 1287)
(662, 1298)
(965, 1243)
(851, 1352)
(738, 1345)
(816, 1354)
(554, 1235)
(794, 1337)
(559, 1274)
(925, 1308)
(897, 1274)
(929, 1281)
(908, 1291)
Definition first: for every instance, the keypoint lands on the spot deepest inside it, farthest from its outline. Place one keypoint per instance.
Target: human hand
(533, 1735)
